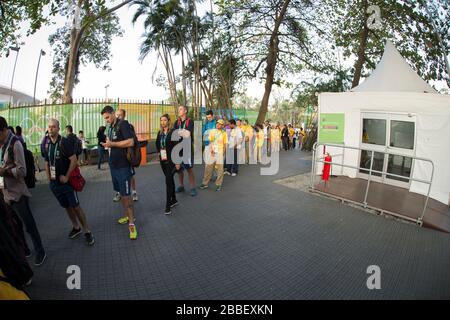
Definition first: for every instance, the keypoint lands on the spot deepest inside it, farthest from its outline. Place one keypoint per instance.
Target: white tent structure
(401, 118)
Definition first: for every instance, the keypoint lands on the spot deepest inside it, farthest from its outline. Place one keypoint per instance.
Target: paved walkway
(254, 240)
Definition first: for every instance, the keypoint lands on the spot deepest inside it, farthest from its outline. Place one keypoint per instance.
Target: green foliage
(173, 27)
(404, 22)
(299, 41)
(19, 15)
(95, 45)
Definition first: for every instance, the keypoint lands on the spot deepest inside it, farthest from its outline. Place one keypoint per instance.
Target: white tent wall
(432, 113)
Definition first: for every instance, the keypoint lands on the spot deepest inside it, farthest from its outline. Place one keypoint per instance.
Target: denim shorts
(121, 178)
(65, 194)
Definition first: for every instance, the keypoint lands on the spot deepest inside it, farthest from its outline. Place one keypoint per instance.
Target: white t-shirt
(83, 143)
(235, 137)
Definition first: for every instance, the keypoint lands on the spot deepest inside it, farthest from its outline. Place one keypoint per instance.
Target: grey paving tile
(254, 240)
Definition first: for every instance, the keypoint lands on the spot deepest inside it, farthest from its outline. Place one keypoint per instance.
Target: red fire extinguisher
(326, 167)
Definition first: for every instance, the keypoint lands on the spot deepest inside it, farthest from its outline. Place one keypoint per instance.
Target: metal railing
(316, 160)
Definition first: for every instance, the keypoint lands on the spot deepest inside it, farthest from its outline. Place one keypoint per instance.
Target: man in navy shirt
(118, 140)
(60, 161)
(121, 114)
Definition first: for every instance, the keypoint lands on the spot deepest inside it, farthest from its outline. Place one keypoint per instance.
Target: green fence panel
(86, 116)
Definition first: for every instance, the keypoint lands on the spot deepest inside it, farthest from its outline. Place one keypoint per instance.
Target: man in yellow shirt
(259, 142)
(275, 138)
(218, 140)
(248, 136)
(241, 154)
(302, 138)
(291, 136)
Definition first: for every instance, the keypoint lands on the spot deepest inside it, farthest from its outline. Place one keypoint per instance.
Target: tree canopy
(210, 50)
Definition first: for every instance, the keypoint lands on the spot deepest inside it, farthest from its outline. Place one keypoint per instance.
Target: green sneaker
(203, 186)
(124, 220)
(219, 188)
(133, 232)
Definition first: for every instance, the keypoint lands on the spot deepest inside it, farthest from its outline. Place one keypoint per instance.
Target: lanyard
(218, 136)
(163, 139)
(111, 128)
(110, 133)
(54, 154)
(183, 124)
(4, 150)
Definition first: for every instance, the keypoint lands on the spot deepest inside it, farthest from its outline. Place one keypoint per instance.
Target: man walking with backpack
(15, 191)
(118, 140)
(121, 114)
(60, 161)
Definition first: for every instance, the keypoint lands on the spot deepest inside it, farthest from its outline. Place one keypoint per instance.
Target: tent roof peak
(393, 74)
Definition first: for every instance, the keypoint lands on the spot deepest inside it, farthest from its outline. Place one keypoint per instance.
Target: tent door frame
(394, 152)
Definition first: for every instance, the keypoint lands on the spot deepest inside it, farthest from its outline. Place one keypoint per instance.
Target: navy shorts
(186, 166)
(121, 178)
(65, 194)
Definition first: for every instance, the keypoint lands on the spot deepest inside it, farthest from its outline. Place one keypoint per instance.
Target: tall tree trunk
(165, 58)
(75, 41)
(69, 81)
(174, 83)
(271, 62)
(183, 77)
(363, 37)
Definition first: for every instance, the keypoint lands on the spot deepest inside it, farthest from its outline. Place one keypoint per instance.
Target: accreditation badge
(2, 183)
(163, 154)
(52, 172)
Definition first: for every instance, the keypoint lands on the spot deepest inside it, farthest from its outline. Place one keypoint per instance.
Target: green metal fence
(85, 115)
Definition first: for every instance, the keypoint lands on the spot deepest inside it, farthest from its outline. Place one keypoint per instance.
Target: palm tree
(160, 21)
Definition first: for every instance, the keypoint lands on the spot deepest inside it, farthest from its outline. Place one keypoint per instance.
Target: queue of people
(227, 145)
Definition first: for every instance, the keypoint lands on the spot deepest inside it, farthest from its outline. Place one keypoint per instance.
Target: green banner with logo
(331, 128)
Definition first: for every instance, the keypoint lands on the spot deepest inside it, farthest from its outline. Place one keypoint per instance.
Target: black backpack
(134, 153)
(30, 178)
(77, 144)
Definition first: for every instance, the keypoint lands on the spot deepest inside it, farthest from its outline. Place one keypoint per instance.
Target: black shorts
(65, 194)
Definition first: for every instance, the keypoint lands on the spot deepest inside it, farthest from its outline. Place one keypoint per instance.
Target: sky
(128, 79)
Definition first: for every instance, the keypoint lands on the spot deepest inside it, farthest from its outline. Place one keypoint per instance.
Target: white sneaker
(233, 174)
(117, 197)
(227, 173)
(135, 196)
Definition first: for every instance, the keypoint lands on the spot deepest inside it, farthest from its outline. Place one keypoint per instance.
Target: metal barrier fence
(85, 115)
(371, 171)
